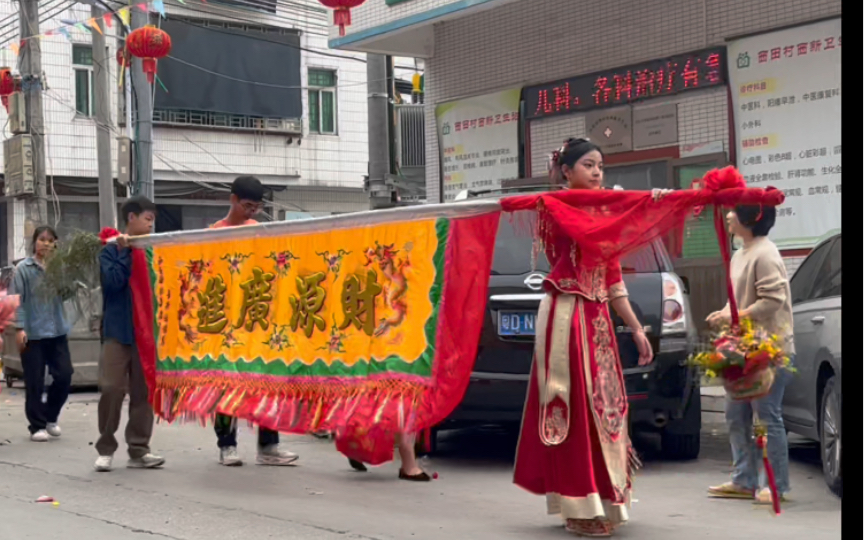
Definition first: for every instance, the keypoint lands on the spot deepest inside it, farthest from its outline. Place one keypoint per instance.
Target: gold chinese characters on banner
(346, 296)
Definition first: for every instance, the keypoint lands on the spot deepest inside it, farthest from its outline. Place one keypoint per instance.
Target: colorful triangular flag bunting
(95, 25)
(159, 6)
(125, 16)
(109, 20)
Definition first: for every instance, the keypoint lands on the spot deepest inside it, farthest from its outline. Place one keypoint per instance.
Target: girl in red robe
(574, 447)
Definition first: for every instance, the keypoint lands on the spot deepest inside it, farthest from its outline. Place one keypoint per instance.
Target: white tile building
(315, 173)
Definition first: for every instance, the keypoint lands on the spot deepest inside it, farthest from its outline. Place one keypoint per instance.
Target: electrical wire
(310, 50)
(15, 17)
(268, 85)
(50, 177)
(167, 161)
(8, 31)
(299, 9)
(265, 40)
(256, 23)
(241, 16)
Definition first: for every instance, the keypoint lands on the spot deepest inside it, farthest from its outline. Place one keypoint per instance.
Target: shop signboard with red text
(786, 97)
(627, 85)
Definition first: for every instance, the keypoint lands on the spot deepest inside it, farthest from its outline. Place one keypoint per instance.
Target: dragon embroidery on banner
(395, 283)
(190, 280)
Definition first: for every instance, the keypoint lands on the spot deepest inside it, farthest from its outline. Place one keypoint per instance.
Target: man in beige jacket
(763, 295)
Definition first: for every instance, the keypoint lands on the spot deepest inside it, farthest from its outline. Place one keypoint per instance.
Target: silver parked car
(811, 407)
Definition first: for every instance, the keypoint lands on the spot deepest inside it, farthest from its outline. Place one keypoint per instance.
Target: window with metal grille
(82, 64)
(322, 101)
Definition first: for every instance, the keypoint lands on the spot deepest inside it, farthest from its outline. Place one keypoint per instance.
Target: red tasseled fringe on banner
(300, 412)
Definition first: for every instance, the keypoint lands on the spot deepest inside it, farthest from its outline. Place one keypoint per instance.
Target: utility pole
(35, 206)
(143, 154)
(379, 130)
(107, 205)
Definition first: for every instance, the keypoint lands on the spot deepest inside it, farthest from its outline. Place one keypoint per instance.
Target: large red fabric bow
(107, 234)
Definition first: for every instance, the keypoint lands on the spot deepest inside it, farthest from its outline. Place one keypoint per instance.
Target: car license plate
(516, 323)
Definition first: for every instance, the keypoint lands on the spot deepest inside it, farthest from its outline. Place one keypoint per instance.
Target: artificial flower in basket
(745, 358)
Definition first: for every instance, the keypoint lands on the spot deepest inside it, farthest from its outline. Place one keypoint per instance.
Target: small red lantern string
(342, 12)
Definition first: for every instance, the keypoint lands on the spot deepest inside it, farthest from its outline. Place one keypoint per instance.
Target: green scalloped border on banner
(421, 367)
(154, 282)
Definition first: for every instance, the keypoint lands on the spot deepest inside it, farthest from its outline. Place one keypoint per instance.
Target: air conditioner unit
(18, 166)
(17, 114)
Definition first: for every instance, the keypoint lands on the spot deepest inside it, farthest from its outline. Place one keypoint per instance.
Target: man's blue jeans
(747, 458)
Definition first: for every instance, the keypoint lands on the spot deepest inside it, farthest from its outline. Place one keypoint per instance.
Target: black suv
(664, 396)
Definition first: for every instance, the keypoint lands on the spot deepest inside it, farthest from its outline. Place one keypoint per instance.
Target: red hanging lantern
(342, 12)
(149, 44)
(7, 86)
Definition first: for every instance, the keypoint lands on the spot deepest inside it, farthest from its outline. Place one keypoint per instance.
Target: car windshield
(513, 248)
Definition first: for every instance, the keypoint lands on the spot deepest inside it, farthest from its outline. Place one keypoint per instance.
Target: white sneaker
(148, 461)
(40, 436)
(275, 457)
(104, 464)
(229, 457)
(54, 430)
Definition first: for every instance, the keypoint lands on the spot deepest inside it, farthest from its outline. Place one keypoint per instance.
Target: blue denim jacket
(40, 316)
(115, 265)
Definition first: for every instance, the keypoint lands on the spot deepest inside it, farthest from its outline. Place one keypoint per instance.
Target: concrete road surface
(194, 498)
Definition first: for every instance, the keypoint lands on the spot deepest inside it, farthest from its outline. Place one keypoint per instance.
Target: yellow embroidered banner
(322, 304)
(316, 325)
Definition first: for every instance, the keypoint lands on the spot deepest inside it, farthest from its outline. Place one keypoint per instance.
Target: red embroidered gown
(574, 447)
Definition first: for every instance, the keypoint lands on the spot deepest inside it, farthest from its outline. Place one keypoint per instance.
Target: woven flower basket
(752, 386)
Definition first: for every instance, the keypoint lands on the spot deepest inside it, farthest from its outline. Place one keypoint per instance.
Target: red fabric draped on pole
(342, 12)
(609, 224)
(142, 310)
